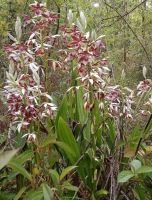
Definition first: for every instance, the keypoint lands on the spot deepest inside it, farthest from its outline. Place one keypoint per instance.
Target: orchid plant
(90, 130)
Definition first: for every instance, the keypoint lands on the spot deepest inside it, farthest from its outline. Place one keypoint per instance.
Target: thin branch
(126, 197)
(134, 33)
(126, 14)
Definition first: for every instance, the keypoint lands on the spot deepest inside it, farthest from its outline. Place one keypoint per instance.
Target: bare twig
(126, 197)
(126, 14)
(134, 33)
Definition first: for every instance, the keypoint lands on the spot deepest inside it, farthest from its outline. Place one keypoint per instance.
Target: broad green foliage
(136, 169)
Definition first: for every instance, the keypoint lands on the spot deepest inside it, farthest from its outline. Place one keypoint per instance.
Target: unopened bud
(144, 72)
(101, 106)
(88, 106)
(123, 74)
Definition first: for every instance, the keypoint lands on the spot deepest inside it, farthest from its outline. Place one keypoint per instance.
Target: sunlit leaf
(36, 194)
(144, 169)
(68, 186)
(65, 135)
(47, 192)
(6, 156)
(20, 169)
(19, 194)
(54, 176)
(124, 176)
(18, 28)
(101, 193)
(135, 164)
(66, 171)
(23, 157)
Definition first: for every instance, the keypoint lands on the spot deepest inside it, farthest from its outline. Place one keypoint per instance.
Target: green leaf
(6, 195)
(62, 112)
(87, 131)
(86, 170)
(19, 194)
(112, 133)
(49, 140)
(20, 169)
(147, 131)
(135, 164)
(54, 176)
(139, 192)
(2, 138)
(47, 192)
(144, 169)
(6, 156)
(66, 171)
(101, 193)
(68, 151)
(65, 135)
(81, 111)
(35, 194)
(68, 186)
(23, 157)
(66, 148)
(134, 138)
(124, 176)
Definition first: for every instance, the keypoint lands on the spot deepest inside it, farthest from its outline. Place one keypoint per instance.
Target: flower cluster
(144, 86)
(25, 89)
(94, 74)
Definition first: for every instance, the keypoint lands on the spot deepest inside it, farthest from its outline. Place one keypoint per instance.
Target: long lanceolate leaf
(80, 102)
(47, 192)
(20, 193)
(23, 157)
(16, 166)
(62, 112)
(66, 136)
(6, 156)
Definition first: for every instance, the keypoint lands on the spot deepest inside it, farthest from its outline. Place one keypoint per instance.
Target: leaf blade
(124, 176)
(6, 156)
